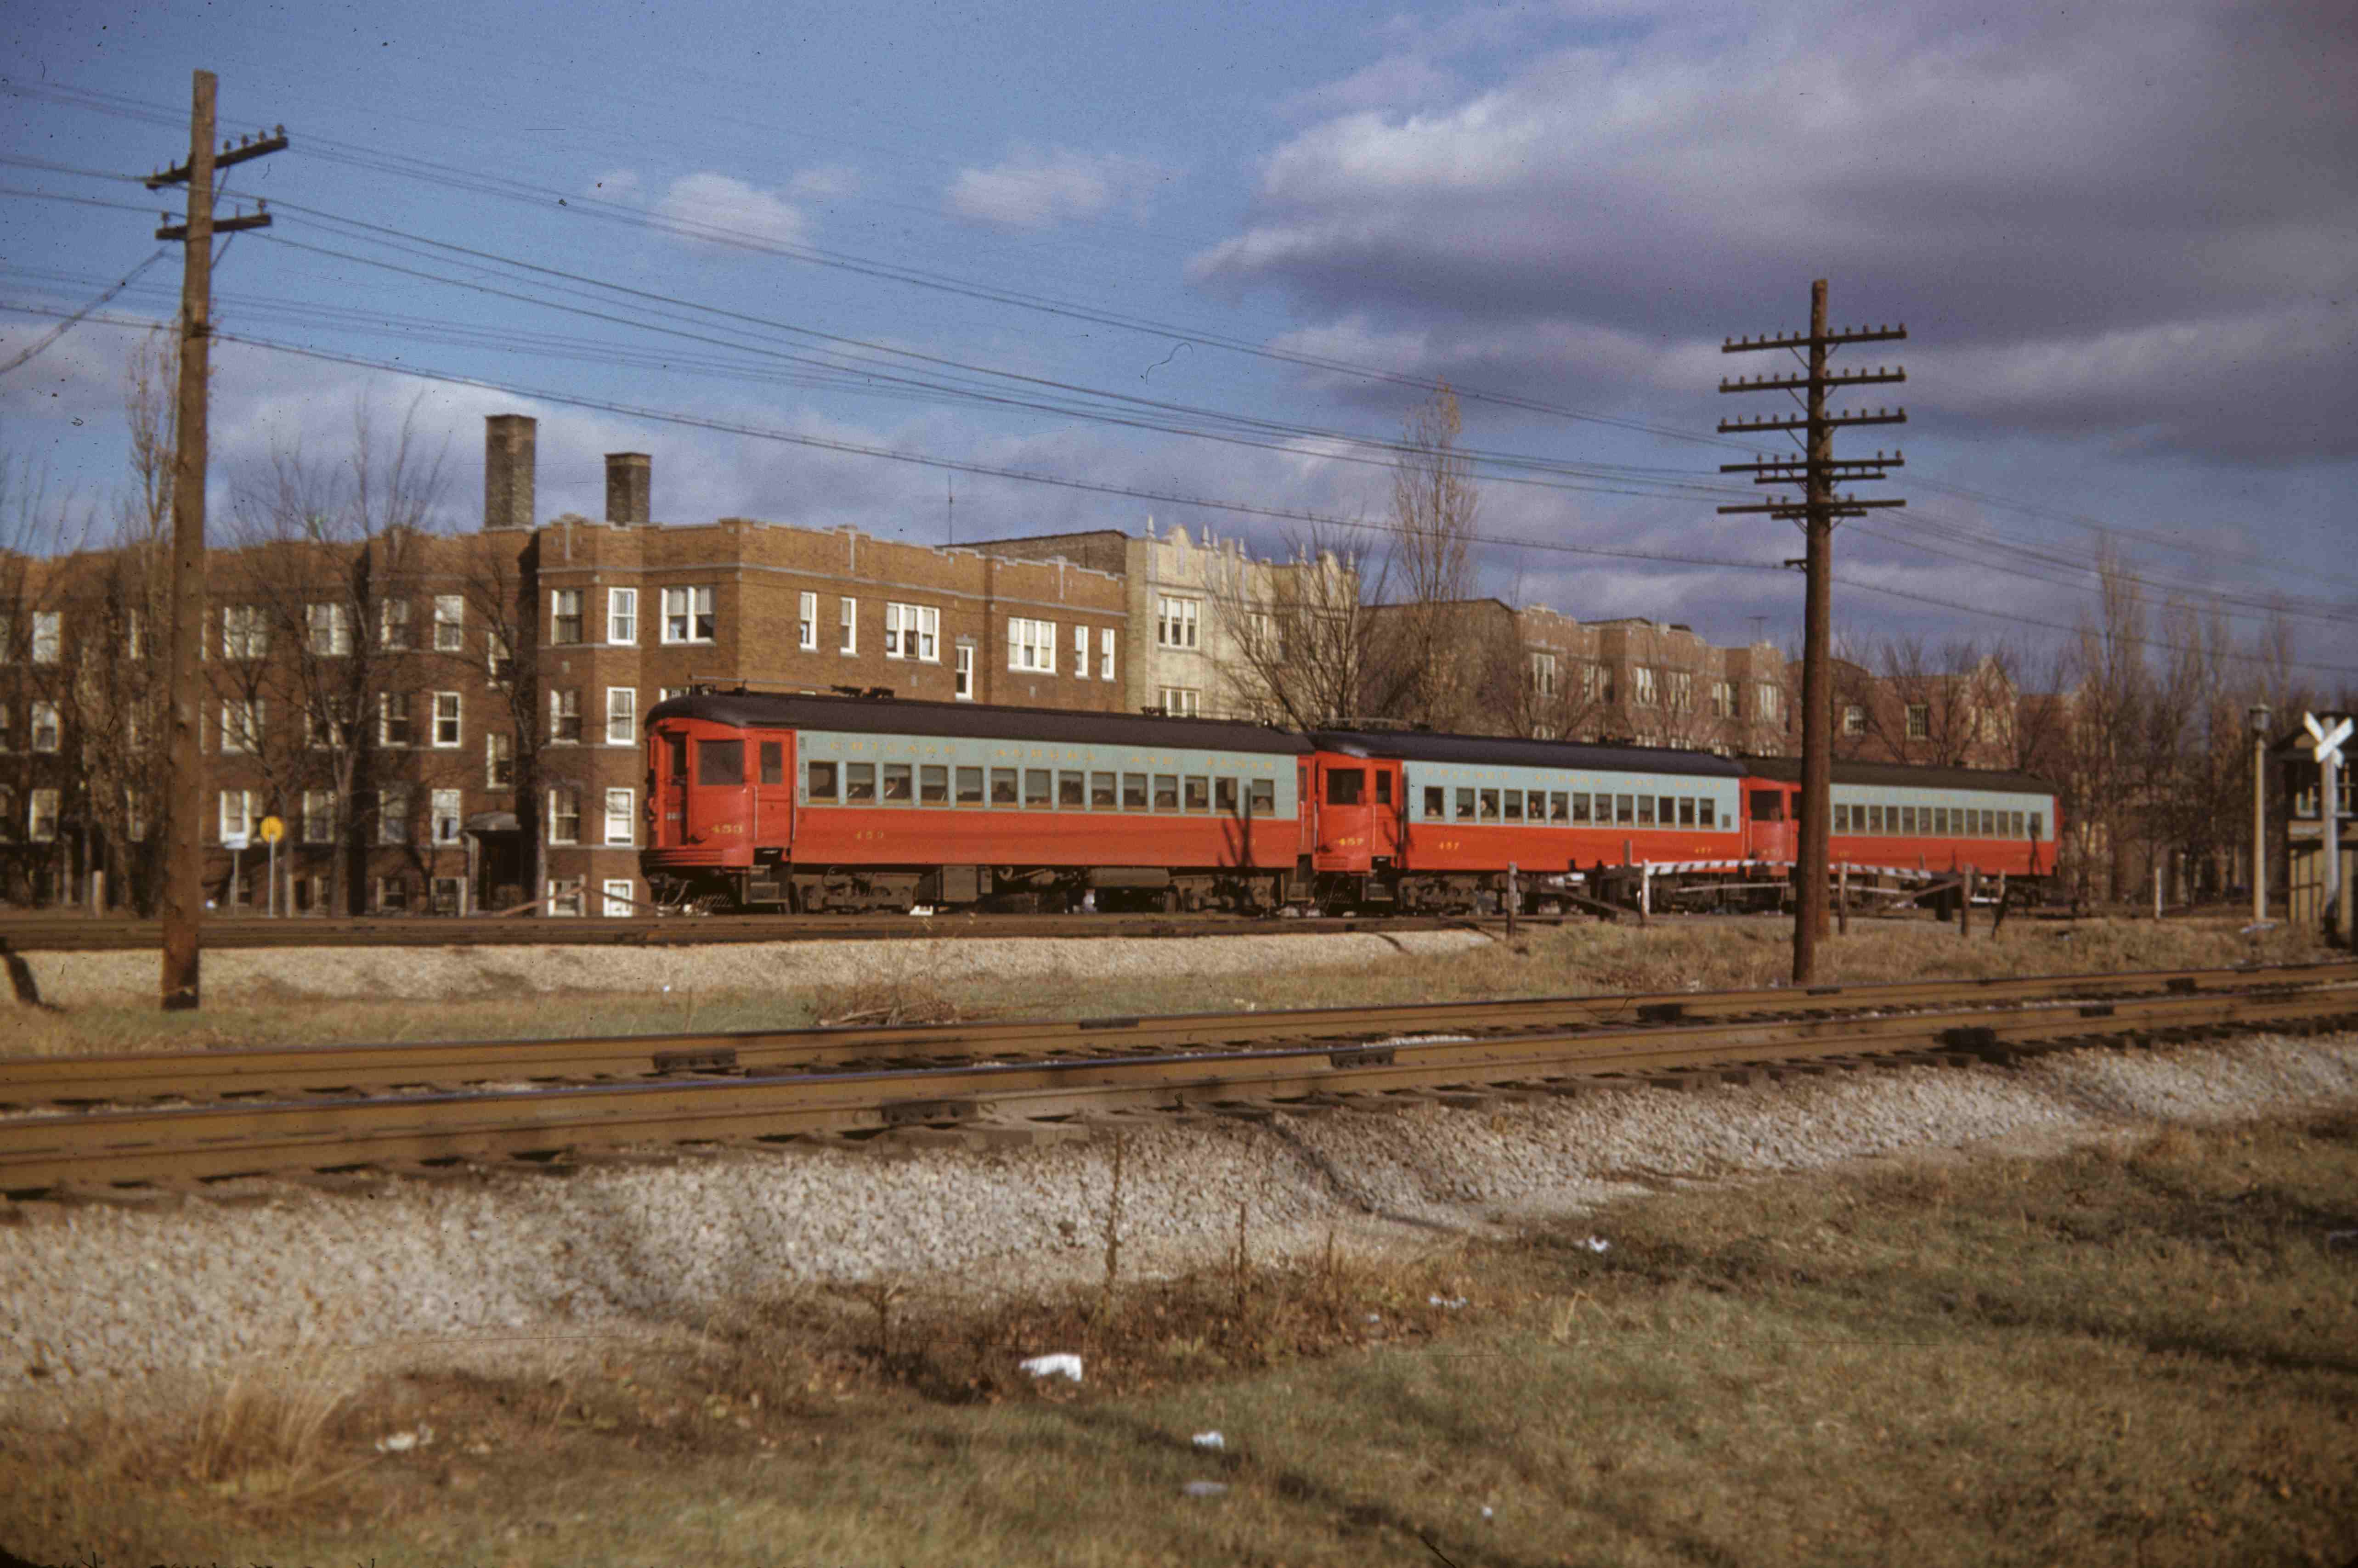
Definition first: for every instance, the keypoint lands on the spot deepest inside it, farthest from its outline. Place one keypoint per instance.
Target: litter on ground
(1062, 1364)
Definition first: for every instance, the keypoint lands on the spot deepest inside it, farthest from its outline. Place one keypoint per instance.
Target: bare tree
(496, 629)
(1298, 637)
(1425, 668)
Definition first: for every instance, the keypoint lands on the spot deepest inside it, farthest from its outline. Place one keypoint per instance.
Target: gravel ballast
(97, 1299)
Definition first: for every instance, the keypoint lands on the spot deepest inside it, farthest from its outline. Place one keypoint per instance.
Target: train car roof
(894, 716)
(1513, 751)
(1788, 770)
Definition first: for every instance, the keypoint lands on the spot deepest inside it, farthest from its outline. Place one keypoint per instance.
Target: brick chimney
(508, 456)
(630, 487)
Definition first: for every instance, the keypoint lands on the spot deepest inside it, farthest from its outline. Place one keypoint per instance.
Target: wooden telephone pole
(184, 849)
(1818, 472)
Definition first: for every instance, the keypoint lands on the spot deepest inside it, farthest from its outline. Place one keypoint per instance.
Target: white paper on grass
(1061, 1363)
(1210, 1440)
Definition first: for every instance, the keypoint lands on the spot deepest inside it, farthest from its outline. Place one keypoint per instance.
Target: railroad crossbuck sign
(2327, 743)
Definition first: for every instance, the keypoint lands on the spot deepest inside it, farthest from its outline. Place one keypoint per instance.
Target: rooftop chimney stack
(508, 457)
(630, 488)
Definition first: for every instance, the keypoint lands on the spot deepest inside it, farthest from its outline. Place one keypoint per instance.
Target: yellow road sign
(273, 830)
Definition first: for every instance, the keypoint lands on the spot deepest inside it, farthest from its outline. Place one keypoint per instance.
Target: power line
(74, 319)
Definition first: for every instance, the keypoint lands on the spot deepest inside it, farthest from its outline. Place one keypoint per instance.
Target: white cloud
(1036, 190)
(717, 207)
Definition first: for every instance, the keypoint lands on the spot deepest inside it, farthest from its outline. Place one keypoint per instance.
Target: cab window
(1344, 785)
(1383, 789)
(720, 762)
(773, 761)
(1768, 806)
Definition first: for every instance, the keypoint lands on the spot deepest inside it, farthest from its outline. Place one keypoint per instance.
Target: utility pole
(1818, 472)
(184, 851)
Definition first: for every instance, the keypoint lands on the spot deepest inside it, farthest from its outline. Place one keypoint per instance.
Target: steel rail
(45, 1152)
(282, 1070)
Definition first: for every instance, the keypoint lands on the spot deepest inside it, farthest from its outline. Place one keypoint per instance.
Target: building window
(1723, 699)
(1181, 702)
(240, 725)
(847, 617)
(392, 625)
(498, 761)
(8, 815)
(622, 716)
(134, 635)
(445, 719)
(565, 895)
(622, 615)
(138, 821)
(41, 816)
(1920, 722)
(564, 615)
(236, 813)
(806, 623)
(1771, 705)
(913, 632)
(1853, 719)
(330, 627)
(1032, 646)
(1175, 621)
(622, 825)
(449, 623)
(245, 633)
(1543, 673)
(393, 896)
(318, 816)
(498, 661)
(565, 716)
(687, 615)
(1681, 691)
(619, 902)
(393, 718)
(48, 731)
(962, 674)
(1105, 653)
(446, 810)
(449, 895)
(49, 636)
(665, 693)
(1647, 693)
(393, 815)
(324, 732)
(565, 815)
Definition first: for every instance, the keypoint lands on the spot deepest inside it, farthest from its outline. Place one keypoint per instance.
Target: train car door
(1388, 809)
(1345, 806)
(667, 786)
(773, 790)
(1769, 812)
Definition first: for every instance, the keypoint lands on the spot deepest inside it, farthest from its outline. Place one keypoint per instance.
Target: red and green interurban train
(799, 802)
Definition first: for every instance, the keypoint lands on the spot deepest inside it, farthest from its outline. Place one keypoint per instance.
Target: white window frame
(564, 605)
(449, 623)
(1542, 672)
(962, 672)
(564, 703)
(622, 617)
(49, 636)
(242, 820)
(392, 625)
(1032, 646)
(622, 708)
(245, 632)
(846, 621)
(393, 814)
(455, 720)
(138, 821)
(913, 632)
(618, 898)
(688, 614)
(565, 896)
(556, 836)
(41, 810)
(1178, 620)
(623, 825)
(1105, 653)
(47, 733)
(806, 623)
(499, 746)
(388, 705)
(318, 816)
(1646, 692)
(240, 725)
(1080, 653)
(1182, 701)
(447, 814)
(327, 627)
(134, 634)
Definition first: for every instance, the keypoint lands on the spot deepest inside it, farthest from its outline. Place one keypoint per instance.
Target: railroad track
(79, 933)
(1014, 1083)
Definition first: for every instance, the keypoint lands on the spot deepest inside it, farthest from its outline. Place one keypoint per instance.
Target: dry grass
(2134, 1356)
(1699, 955)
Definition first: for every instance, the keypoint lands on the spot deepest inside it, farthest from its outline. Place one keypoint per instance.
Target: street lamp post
(2259, 811)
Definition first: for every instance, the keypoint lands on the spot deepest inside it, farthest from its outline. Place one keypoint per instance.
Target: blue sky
(2123, 239)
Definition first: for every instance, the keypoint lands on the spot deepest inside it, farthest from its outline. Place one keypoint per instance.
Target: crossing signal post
(184, 853)
(1817, 473)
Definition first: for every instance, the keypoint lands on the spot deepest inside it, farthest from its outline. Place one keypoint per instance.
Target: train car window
(897, 778)
(1437, 803)
(858, 782)
(1841, 818)
(1101, 793)
(822, 780)
(1941, 820)
(1198, 793)
(2037, 821)
(1134, 792)
(1625, 809)
(970, 786)
(1039, 792)
(1875, 819)
(933, 784)
(1344, 785)
(1383, 788)
(1704, 813)
(1224, 796)
(1514, 806)
(1071, 792)
(1535, 804)
(1559, 808)
(1989, 823)
(674, 755)
(1645, 811)
(773, 761)
(1670, 816)
(1580, 806)
(1261, 797)
(1002, 786)
(1490, 806)
(720, 762)
(1686, 811)
(1768, 806)
(1906, 821)
(1464, 806)
(1166, 792)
